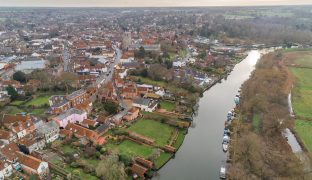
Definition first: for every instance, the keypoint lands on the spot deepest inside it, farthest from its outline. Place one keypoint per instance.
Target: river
(201, 155)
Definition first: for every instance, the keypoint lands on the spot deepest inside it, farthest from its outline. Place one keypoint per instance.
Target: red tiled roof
(10, 151)
(28, 161)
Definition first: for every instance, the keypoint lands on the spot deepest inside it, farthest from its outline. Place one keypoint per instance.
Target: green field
(16, 103)
(152, 82)
(302, 97)
(38, 101)
(131, 149)
(160, 132)
(304, 129)
(180, 139)
(169, 106)
(162, 159)
(302, 93)
(67, 149)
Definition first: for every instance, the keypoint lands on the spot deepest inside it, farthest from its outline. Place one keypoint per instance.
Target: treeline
(260, 151)
(270, 30)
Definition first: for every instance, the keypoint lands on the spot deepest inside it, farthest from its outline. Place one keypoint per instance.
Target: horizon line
(264, 5)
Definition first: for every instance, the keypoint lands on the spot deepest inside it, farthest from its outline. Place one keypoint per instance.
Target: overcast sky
(148, 3)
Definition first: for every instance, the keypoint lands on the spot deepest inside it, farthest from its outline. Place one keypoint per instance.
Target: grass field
(38, 101)
(131, 149)
(68, 150)
(162, 159)
(304, 129)
(169, 106)
(16, 103)
(180, 139)
(302, 93)
(152, 82)
(160, 132)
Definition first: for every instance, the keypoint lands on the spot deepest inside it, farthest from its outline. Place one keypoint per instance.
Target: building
(148, 105)
(132, 114)
(78, 97)
(50, 131)
(71, 116)
(31, 143)
(82, 132)
(126, 40)
(6, 169)
(32, 165)
(58, 104)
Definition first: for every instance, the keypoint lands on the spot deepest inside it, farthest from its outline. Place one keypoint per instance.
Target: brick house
(78, 97)
(82, 132)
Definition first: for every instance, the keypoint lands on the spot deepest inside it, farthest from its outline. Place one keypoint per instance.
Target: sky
(147, 3)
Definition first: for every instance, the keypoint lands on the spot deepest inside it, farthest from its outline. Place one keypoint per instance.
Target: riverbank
(263, 116)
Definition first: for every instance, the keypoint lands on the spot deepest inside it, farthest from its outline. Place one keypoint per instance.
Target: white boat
(222, 172)
(225, 146)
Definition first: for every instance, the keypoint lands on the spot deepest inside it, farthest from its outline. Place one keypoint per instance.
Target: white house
(144, 104)
(6, 170)
(50, 131)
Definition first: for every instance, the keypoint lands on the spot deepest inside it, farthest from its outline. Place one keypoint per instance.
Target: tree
(111, 107)
(68, 79)
(43, 77)
(141, 53)
(144, 72)
(19, 76)
(110, 168)
(12, 92)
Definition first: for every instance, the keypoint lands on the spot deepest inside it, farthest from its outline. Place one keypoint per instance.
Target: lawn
(131, 149)
(11, 110)
(305, 61)
(16, 103)
(302, 93)
(67, 149)
(169, 106)
(151, 82)
(158, 131)
(162, 159)
(38, 101)
(304, 129)
(180, 139)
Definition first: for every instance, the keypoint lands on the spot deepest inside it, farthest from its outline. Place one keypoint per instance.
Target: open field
(131, 149)
(300, 63)
(160, 132)
(302, 93)
(38, 101)
(169, 106)
(304, 129)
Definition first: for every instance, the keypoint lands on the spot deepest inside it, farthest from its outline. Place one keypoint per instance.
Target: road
(104, 78)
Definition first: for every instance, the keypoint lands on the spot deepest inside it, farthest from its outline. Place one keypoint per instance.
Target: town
(75, 91)
(111, 93)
